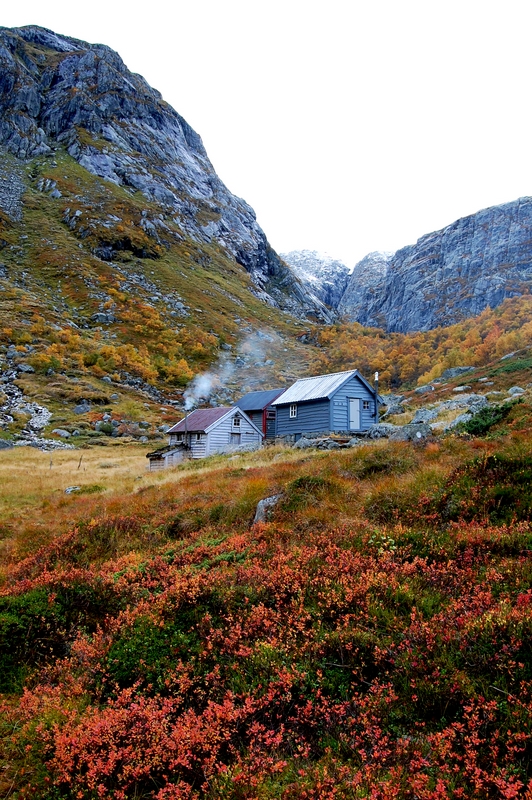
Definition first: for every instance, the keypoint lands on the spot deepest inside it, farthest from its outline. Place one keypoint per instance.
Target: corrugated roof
(199, 420)
(315, 388)
(255, 401)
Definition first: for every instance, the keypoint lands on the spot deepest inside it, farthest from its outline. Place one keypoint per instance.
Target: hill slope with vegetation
(127, 268)
(371, 638)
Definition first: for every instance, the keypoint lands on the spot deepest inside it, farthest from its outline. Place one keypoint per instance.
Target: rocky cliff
(326, 277)
(58, 93)
(446, 276)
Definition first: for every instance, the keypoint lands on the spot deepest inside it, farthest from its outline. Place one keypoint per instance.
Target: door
(354, 414)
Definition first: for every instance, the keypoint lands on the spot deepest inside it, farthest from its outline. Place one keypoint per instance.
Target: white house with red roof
(205, 432)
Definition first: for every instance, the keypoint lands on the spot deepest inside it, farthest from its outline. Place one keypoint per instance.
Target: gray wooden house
(342, 402)
(258, 407)
(215, 430)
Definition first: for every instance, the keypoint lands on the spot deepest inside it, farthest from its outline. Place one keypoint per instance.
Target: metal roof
(199, 420)
(203, 419)
(316, 388)
(257, 401)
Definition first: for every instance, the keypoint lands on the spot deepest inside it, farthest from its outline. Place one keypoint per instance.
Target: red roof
(198, 421)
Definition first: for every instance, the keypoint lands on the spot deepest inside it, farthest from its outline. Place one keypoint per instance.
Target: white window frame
(292, 412)
(366, 405)
(236, 421)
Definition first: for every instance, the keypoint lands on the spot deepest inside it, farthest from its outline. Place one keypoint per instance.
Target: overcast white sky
(348, 125)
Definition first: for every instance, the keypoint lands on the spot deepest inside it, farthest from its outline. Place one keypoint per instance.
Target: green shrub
(304, 491)
(486, 418)
(149, 653)
(514, 366)
(381, 461)
(497, 488)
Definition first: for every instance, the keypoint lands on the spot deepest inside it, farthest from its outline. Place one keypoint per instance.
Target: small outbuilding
(258, 407)
(215, 430)
(165, 457)
(342, 402)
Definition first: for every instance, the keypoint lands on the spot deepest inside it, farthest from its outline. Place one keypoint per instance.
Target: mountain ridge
(448, 275)
(56, 91)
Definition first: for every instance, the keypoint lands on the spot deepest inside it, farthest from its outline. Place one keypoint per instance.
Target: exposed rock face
(56, 91)
(448, 275)
(11, 189)
(325, 277)
(364, 289)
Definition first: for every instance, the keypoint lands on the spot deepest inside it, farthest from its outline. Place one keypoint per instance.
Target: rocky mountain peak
(59, 92)
(325, 276)
(448, 275)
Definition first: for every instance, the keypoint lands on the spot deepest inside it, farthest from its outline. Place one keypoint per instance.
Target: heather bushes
(185, 655)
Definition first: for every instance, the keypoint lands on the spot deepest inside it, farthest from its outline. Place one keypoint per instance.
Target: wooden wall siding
(167, 460)
(340, 406)
(312, 417)
(220, 437)
(318, 416)
(270, 423)
(256, 418)
(199, 448)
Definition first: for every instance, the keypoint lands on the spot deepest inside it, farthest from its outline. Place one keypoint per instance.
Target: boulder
(412, 432)
(424, 415)
(458, 421)
(515, 390)
(62, 433)
(382, 430)
(392, 399)
(454, 372)
(394, 409)
(265, 508)
(101, 318)
(304, 443)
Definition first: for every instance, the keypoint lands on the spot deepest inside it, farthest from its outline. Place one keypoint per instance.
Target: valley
(348, 617)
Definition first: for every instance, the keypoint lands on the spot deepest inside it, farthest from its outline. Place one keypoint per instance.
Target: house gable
(342, 402)
(344, 415)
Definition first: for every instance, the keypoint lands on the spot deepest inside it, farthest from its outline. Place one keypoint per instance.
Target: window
(198, 437)
(293, 411)
(365, 405)
(236, 422)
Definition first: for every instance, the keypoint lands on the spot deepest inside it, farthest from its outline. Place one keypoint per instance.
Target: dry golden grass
(33, 499)
(33, 502)
(321, 488)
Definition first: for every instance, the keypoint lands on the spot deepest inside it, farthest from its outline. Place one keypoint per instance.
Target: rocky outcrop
(363, 289)
(11, 188)
(59, 92)
(324, 276)
(448, 275)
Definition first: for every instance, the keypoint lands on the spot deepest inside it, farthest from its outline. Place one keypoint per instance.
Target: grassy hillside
(97, 282)
(371, 639)
(105, 299)
(404, 360)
